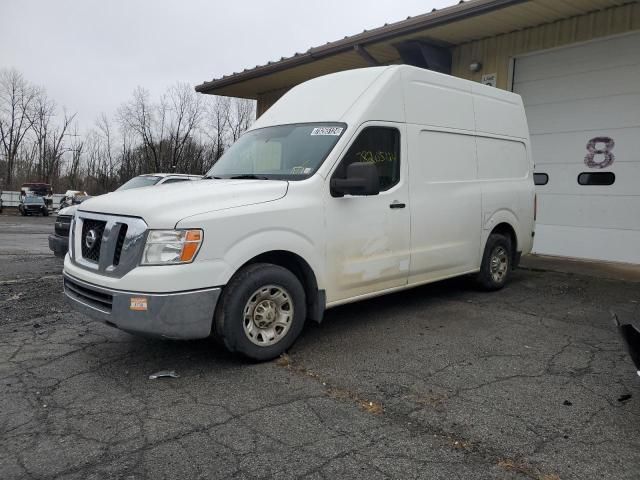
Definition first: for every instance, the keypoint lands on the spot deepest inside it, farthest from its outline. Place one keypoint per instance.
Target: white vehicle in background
(352, 185)
(72, 197)
(152, 179)
(59, 240)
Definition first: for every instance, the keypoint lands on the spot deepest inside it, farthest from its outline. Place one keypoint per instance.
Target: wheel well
(301, 269)
(508, 231)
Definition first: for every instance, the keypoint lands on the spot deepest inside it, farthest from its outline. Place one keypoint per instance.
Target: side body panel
(506, 176)
(470, 170)
(368, 242)
(445, 204)
(505, 166)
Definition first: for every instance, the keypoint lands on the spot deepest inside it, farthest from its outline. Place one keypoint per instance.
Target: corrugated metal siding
(495, 53)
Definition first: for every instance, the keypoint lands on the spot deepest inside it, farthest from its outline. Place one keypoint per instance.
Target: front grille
(62, 225)
(122, 234)
(92, 252)
(89, 296)
(118, 245)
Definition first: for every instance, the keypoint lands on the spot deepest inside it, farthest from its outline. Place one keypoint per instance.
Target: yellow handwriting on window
(376, 157)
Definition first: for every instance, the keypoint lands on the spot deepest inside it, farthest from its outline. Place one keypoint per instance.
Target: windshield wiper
(249, 176)
(207, 177)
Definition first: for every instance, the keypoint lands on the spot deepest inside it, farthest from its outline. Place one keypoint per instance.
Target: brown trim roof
(410, 25)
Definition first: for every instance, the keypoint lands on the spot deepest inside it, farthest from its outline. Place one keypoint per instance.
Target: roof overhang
(448, 27)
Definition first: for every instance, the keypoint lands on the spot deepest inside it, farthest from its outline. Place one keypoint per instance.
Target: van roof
(396, 93)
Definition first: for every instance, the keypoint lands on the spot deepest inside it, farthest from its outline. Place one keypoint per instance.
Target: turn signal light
(192, 242)
(171, 247)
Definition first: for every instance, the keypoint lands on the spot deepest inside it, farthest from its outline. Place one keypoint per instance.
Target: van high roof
(381, 93)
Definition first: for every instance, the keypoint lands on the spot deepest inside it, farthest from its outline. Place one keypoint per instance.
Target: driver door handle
(397, 204)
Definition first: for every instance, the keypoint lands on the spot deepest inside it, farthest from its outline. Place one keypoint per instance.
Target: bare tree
(186, 110)
(76, 149)
(240, 117)
(181, 131)
(138, 116)
(16, 102)
(217, 114)
(57, 147)
(107, 152)
(129, 167)
(41, 115)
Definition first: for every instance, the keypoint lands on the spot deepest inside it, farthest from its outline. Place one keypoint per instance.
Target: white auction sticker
(335, 131)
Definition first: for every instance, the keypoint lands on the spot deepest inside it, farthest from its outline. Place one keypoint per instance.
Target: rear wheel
(496, 263)
(261, 311)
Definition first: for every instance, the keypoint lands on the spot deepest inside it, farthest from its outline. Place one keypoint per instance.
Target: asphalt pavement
(25, 236)
(439, 382)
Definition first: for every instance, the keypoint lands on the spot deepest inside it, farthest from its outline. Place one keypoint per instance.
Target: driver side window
(377, 145)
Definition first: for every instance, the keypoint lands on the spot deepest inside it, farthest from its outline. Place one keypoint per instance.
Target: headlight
(171, 247)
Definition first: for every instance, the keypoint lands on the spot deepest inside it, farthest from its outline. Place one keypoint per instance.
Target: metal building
(576, 64)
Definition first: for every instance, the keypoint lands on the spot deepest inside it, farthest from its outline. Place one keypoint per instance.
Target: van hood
(163, 206)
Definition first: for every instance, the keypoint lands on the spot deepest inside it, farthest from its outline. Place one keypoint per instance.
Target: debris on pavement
(164, 374)
(625, 397)
(567, 403)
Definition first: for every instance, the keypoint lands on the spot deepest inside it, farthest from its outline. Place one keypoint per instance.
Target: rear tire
(261, 311)
(496, 263)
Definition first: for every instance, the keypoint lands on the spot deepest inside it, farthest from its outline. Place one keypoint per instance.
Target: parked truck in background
(38, 189)
(352, 185)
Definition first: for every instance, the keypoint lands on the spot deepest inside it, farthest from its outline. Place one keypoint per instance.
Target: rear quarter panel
(506, 172)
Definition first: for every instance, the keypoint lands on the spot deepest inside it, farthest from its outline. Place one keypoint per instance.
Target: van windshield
(283, 152)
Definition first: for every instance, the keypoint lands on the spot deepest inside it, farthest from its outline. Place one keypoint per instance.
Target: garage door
(583, 108)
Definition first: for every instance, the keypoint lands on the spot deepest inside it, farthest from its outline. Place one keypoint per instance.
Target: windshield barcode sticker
(335, 131)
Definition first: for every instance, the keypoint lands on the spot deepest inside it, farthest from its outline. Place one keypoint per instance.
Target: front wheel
(496, 263)
(261, 311)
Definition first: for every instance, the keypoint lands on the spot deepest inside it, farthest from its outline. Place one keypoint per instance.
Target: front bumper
(177, 315)
(33, 211)
(59, 245)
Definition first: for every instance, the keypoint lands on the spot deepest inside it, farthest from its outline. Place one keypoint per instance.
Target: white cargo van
(352, 185)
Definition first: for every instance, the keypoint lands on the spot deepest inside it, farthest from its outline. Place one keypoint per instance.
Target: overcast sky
(91, 54)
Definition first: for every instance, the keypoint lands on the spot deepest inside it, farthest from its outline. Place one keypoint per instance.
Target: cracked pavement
(441, 381)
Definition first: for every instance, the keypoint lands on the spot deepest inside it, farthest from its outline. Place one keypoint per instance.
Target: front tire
(496, 263)
(261, 311)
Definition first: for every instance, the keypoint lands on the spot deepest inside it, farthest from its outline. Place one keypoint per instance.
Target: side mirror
(362, 179)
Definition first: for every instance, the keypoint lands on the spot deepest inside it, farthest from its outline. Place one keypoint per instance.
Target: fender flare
(498, 217)
(263, 241)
